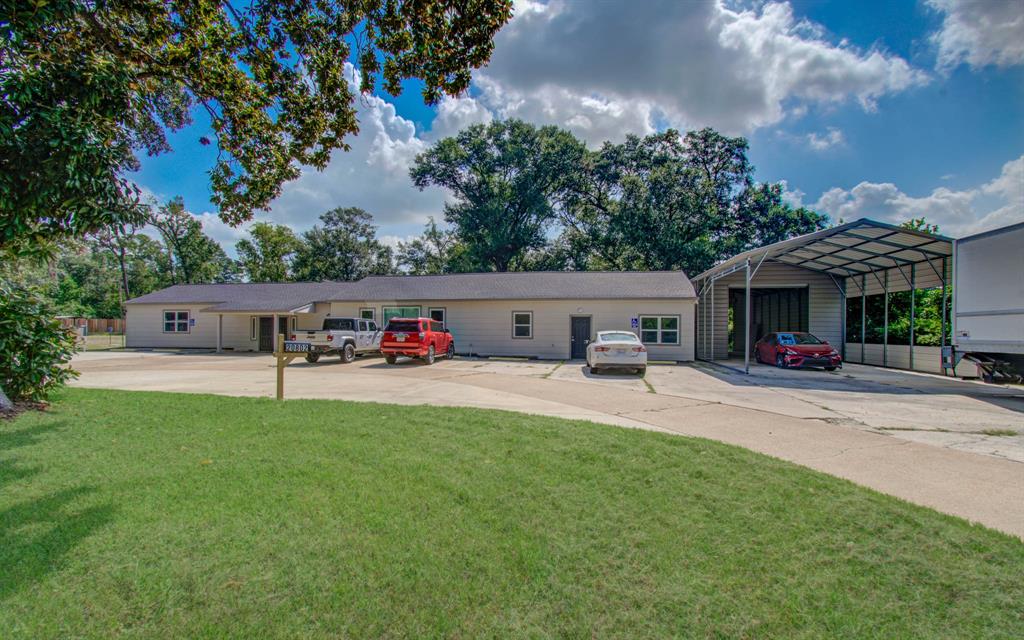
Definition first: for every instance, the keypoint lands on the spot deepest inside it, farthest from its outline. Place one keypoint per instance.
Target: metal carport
(858, 255)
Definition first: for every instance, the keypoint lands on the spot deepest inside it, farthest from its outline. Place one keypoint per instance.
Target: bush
(34, 347)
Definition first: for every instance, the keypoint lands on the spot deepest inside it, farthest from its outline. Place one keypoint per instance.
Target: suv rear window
(408, 326)
(339, 324)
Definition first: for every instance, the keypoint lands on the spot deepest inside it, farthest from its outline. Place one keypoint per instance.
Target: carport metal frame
(820, 248)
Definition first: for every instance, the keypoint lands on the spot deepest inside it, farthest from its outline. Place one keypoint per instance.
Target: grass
(104, 342)
(186, 516)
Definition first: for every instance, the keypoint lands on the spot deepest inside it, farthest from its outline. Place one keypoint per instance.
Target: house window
(659, 329)
(368, 313)
(254, 327)
(438, 314)
(522, 324)
(399, 312)
(176, 321)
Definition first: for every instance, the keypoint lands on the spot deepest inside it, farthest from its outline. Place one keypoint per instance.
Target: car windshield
(618, 337)
(409, 326)
(798, 338)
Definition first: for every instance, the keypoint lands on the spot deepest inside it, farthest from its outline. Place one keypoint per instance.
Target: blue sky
(882, 109)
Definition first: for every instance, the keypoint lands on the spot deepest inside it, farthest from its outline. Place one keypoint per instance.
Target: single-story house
(532, 314)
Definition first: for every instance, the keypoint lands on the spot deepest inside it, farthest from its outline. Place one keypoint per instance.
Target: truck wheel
(390, 359)
(312, 357)
(348, 353)
(450, 354)
(429, 358)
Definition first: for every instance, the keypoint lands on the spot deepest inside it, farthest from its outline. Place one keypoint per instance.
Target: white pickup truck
(346, 337)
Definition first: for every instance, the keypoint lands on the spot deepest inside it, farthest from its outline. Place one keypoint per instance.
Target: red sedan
(796, 349)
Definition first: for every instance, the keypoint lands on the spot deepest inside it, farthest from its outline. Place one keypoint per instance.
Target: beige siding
(926, 359)
(485, 327)
(824, 306)
(145, 328)
(480, 327)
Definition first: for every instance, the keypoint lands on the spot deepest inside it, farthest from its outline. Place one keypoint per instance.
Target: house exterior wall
(824, 302)
(145, 329)
(482, 327)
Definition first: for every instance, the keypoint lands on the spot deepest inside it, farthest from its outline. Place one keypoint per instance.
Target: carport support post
(913, 279)
(863, 315)
(220, 332)
(885, 322)
(746, 324)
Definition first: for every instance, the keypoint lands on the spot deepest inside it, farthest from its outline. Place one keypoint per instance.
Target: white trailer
(988, 300)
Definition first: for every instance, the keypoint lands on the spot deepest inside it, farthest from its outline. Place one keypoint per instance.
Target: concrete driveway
(918, 437)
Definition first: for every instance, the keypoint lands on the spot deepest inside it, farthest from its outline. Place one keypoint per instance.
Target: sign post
(285, 352)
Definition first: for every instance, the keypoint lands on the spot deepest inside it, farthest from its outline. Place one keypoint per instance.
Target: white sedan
(617, 350)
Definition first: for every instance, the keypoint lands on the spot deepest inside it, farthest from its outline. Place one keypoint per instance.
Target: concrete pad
(820, 422)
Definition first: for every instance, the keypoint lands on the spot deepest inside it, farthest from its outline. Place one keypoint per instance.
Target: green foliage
(87, 85)
(436, 251)
(192, 256)
(666, 202)
(34, 348)
(267, 256)
(344, 247)
(507, 178)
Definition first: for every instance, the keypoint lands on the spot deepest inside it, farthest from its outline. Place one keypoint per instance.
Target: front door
(266, 333)
(580, 336)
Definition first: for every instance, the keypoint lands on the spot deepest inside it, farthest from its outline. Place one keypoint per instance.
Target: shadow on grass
(13, 438)
(36, 536)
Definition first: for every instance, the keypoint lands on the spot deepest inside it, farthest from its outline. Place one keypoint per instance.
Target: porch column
(746, 323)
(277, 330)
(220, 332)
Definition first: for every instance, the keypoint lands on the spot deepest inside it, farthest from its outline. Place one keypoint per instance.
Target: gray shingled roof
(277, 296)
(523, 285)
(536, 285)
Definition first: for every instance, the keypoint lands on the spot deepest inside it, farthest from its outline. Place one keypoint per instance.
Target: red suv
(416, 338)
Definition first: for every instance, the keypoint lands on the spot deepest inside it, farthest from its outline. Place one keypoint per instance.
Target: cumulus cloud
(610, 68)
(831, 138)
(979, 33)
(994, 204)
(373, 174)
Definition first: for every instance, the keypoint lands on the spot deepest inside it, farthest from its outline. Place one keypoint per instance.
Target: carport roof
(293, 297)
(852, 249)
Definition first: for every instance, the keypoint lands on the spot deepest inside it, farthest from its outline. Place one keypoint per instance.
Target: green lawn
(183, 516)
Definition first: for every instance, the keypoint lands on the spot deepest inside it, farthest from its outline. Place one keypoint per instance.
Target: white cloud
(994, 204)
(373, 174)
(609, 68)
(979, 33)
(831, 138)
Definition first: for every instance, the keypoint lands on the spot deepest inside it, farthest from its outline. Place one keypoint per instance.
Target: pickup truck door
(364, 339)
(375, 334)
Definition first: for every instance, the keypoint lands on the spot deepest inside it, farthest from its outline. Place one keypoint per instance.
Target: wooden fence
(94, 326)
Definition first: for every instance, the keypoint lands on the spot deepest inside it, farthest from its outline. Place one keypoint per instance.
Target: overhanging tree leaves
(507, 177)
(84, 86)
